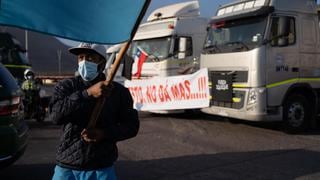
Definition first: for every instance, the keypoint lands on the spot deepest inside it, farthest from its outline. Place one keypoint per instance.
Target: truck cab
(172, 39)
(263, 58)
(13, 56)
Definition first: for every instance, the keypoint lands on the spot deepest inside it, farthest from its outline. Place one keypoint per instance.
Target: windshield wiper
(154, 58)
(243, 45)
(266, 41)
(213, 48)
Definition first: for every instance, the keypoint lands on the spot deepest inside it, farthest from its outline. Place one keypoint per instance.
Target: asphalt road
(189, 147)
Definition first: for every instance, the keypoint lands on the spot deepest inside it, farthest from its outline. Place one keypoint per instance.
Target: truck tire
(296, 113)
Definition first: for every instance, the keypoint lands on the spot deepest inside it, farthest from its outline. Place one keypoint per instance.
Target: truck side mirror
(283, 31)
(182, 47)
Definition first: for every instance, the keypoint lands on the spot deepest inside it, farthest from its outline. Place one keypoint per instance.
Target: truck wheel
(296, 113)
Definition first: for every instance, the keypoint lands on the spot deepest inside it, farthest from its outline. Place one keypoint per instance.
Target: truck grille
(234, 105)
(237, 76)
(237, 96)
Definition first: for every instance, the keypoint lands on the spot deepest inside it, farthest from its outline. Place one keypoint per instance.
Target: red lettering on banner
(154, 93)
(202, 86)
(148, 94)
(182, 91)
(185, 89)
(140, 96)
(166, 94)
(151, 94)
(163, 94)
(142, 100)
(136, 93)
(187, 86)
(160, 92)
(175, 92)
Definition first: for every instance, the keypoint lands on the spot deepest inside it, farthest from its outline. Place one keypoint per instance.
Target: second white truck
(172, 38)
(171, 42)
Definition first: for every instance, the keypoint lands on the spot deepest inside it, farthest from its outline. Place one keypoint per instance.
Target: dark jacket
(71, 107)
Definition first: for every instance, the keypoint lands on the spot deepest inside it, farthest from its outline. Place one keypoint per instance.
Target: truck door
(282, 57)
(309, 64)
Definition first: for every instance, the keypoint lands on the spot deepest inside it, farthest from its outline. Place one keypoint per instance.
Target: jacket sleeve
(128, 124)
(65, 101)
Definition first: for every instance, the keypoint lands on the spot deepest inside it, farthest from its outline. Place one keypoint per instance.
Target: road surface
(170, 147)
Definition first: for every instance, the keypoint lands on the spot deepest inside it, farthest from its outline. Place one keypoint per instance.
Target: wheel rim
(296, 114)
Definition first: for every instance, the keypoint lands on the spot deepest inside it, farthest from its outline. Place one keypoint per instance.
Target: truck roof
(252, 6)
(7, 40)
(185, 9)
(114, 48)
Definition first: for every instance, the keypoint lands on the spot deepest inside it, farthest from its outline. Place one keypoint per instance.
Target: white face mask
(29, 77)
(88, 70)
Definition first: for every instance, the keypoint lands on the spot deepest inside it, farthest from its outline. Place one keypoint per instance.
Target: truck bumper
(245, 115)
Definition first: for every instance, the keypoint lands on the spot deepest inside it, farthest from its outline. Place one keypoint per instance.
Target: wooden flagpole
(101, 100)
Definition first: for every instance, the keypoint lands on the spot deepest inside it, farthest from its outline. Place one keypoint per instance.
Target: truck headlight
(253, 96)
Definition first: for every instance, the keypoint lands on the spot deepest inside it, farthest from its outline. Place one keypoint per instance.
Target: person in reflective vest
(29, 83)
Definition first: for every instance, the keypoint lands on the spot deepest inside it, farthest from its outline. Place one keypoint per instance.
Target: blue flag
(96, 21)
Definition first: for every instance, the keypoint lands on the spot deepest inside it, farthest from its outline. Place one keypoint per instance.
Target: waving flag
(98, 21)
(139, 59)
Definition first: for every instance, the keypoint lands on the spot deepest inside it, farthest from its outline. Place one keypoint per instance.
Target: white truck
(263, 58)
(173, 38)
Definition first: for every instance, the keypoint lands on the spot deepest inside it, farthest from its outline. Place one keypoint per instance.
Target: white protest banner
(168, 93)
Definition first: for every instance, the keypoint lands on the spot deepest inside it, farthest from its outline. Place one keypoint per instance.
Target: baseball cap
(89, 48)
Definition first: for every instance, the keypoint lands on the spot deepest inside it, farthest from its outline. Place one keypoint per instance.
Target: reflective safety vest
(29, 85)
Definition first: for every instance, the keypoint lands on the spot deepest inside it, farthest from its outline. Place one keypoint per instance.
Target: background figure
(32, 101)
(30, 82)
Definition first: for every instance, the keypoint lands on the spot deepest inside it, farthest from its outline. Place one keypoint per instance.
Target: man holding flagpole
(88, 100)
(90, 153)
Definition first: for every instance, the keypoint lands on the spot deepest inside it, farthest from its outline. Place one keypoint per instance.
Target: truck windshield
(157, 49)
(13, 56)
(235, 35)
(23, 57)
(18, 52)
